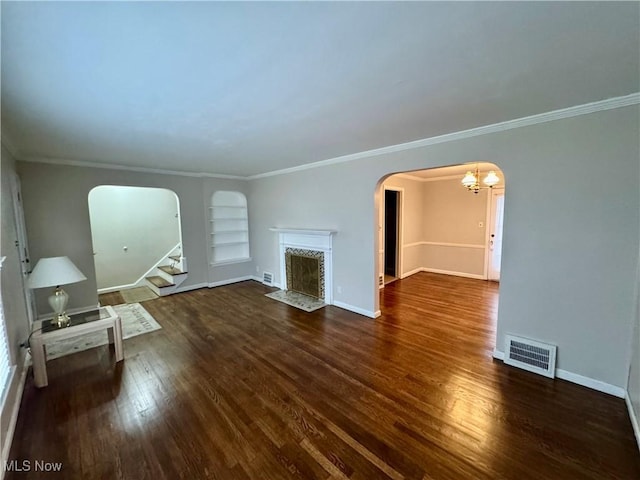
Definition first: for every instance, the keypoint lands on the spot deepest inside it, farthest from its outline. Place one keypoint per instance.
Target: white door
(23, 246)
(495, 233)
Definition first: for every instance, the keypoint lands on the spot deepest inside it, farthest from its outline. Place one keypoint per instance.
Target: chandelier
(472, 180)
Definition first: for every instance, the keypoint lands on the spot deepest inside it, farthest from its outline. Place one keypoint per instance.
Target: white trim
(358, 310)
(591, 383)
(73, 311)
(114, 166)
(188, 288)
(487, 229)
(455, 274)
(632, 416)
(412, 272)
(13, 417)
(584, 109)
(231, 262)
(608, 104)
(229, 281)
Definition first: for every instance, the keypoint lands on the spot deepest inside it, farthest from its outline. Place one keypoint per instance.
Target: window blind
(5, 364)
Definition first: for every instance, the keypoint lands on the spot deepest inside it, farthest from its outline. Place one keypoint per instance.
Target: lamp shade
(54, 271)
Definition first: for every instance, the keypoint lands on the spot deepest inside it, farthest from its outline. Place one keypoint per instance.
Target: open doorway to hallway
(137, 241)
(430, 222)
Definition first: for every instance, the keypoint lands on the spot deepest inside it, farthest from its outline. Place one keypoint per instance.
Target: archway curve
(133, 229)
(452, 175)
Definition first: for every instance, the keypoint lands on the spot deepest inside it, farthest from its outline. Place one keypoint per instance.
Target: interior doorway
(391, 235)
(23, 246)
(495, 221)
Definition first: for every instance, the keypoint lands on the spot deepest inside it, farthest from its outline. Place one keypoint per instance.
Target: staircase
(168, 274)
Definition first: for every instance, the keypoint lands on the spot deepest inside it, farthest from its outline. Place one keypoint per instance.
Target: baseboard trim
(412, 272)
(188, 288)
(358, 310)
(580, 380)
(13, 419)
(455, 274)
(116, 289)
(633, 417)
(230, 281)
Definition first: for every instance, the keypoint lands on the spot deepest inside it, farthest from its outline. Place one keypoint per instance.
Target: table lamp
(53, 272)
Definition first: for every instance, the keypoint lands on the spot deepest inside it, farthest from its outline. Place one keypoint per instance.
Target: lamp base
(58, 302)
(61, 320)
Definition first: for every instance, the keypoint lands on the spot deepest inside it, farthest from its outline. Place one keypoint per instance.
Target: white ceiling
(246, 88)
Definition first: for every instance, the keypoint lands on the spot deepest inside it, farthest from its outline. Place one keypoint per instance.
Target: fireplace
(305, 271)
(306, 262)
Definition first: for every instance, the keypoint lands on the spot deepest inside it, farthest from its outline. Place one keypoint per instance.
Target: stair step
(171, 270)
(175, 258)
(159, 282)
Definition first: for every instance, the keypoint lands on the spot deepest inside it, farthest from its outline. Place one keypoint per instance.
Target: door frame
(399, 231)
(488, 224)
(22, 246)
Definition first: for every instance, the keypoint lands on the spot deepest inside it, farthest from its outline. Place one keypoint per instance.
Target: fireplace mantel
(318, 240)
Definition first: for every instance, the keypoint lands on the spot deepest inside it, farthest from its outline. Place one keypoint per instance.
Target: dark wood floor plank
(238, 386)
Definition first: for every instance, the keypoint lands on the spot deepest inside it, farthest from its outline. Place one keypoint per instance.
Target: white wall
(132, 229)
(13, 301)
(57, 217)
(570, 229)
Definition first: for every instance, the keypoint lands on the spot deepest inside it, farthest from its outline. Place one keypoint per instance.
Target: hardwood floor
(239, 386)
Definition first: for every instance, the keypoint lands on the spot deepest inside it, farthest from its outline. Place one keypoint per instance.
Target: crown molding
(575, 111)
(5, 139)
(80, 163)
(608, 104)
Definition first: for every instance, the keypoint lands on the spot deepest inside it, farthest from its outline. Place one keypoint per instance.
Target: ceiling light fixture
(471, 180)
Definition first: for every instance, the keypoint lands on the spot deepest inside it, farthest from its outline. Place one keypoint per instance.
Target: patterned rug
(135, 321)
(138, 294)
(298, 300)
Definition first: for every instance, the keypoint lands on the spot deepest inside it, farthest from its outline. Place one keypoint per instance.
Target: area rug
(135, 321)
(138, 294)
(298, 300)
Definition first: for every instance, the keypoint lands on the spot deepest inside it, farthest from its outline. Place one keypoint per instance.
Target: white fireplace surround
(318, 240)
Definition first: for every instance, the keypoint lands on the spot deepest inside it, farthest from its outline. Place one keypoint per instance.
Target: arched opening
(446, 239)
(135, 231)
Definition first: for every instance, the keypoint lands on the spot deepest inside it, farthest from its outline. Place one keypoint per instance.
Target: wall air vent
(530, 355)
(267, 278)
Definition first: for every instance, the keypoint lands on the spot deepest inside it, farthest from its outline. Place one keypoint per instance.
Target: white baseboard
(633, 417)
(456, 274)
(72, 311)
(116, 289)
(377, 313)
(580, 380)
(412, 272)
(230, 281)
(188, 288)
(361, 311)
(13, 415)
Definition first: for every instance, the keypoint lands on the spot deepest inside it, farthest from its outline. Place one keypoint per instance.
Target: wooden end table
(48, 332)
